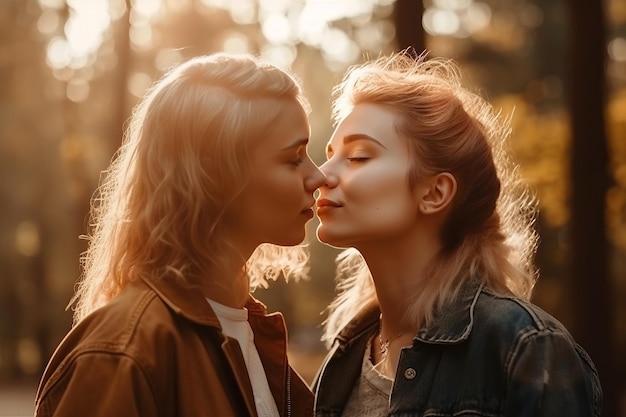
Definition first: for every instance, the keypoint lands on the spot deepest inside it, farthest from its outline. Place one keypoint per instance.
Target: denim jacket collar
(364, 322)
(452, 324)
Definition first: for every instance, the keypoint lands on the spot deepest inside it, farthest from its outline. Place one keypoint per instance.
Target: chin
(330, 240)
(293, 240)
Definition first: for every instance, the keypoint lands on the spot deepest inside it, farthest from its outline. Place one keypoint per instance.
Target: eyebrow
(356, 137)
(298, 143)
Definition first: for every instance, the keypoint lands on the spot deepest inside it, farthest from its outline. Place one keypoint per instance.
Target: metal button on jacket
(409, 373)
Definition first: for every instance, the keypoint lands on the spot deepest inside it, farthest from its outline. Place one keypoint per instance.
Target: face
(366, 197)
(277, 202)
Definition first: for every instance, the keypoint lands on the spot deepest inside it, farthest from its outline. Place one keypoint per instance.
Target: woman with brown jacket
(207, 198)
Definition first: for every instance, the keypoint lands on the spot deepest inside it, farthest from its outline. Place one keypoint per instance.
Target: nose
(331, 178)
(315, 179)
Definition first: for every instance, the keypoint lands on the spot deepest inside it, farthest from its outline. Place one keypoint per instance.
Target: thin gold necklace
(384, 344)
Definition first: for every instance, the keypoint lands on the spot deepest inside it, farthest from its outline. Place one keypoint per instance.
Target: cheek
(382, 202)
(378, 189)
(284, 191)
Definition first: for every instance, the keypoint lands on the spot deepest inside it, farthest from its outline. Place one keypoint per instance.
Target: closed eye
(358, 159)
(299, 157)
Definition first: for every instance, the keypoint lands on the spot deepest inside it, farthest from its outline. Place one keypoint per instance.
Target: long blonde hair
(489, 233)
(184, 159)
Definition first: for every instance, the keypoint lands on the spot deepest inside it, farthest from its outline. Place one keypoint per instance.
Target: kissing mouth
(324, 202)
(308, 208)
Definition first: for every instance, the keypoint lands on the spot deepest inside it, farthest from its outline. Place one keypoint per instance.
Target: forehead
(290, 125)
(368, 119)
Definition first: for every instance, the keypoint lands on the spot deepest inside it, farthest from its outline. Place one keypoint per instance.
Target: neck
(398, 269)
(230, 287)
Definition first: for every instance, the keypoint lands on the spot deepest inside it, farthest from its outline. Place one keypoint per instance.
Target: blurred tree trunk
(407, 18)
(590, 285)
(123, 49)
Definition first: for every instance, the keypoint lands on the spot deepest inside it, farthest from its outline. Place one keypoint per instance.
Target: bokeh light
(27, 239)
(617, 49)
(457, 18)
(77, 89)
(236, 42)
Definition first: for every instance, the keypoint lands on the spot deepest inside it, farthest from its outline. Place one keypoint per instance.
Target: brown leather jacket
(157, 350)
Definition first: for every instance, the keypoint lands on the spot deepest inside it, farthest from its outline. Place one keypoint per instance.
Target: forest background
(71, 71)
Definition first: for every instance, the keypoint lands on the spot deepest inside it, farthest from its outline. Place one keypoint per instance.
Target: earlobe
(438, 193)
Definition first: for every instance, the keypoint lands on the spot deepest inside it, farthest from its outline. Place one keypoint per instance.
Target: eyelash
(299, 159)
(358, 159)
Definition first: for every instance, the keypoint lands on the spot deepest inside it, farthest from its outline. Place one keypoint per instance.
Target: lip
(325, 202)
(325, 205)
(307, 212)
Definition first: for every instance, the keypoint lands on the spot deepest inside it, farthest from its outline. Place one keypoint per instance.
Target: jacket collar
(452, 324)
(188, 301)
(364, 322)
(270, 339)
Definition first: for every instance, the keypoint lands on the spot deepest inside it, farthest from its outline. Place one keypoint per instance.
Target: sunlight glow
(458, 18)
(617, 49)
(317, 14)
(452, 4)
(284, 23)
(338, 47)
(236, 43)
(371, 37)
(141, 35)
(276, 6)
(243, 12)
(52, 4)
(117, 8)
(477, 17)
(48, 22)
(146, 8)
(58, 53)
(77, 90)
(27, 239)
(314, 28)
(276, 29)
(28, 355)
(220, 4)
(167, 58)
(88, 22)
(280, 55)
(441, 22)
(138, 83)
(84, 31)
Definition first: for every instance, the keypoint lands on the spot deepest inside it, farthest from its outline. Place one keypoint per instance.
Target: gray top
(370, 395)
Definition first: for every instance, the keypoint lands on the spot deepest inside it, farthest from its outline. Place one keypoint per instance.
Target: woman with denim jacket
(207, 198)
(433, 315)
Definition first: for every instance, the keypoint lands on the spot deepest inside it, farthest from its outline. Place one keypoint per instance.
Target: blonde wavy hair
(489, 234)
(157, 212)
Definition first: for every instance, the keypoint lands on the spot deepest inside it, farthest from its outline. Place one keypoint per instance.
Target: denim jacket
(482, 355)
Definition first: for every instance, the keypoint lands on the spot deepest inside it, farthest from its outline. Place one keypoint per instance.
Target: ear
(437, 192)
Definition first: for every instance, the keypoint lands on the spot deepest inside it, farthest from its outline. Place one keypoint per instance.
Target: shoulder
(526, 330)
(129, 327)
(523, 327)
(517, 325)
(137, 312)
(115, 345)
(499, 311)
(539, 354)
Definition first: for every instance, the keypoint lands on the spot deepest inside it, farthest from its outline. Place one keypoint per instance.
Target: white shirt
(235, 324)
